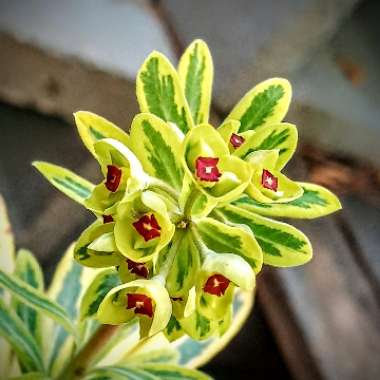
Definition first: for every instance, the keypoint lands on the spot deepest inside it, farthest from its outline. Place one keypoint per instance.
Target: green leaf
(184, 269)
(267, 103)
(74, 186)
(283, 245)
(93, 128)
(35, 299)
(158, 147)
(159, 92)
(32, 376)
(195, 353)
(119, 373)
(29, 271)
(69, 282)
(196, 73)
(223, 238)
(173, 372)
(282, 136)
(95, 293)
(18, 336)
(315, 202)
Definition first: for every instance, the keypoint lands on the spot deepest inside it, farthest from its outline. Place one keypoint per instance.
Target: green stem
(163, 186)
(78, 366)
(193, 196)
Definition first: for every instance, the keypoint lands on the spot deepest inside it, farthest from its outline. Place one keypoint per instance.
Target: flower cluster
(182, 209)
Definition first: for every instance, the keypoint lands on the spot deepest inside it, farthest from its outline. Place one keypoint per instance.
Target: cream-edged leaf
(265, 104)
(159, 92)
(92, 127)
(71, 184)
(196, 73)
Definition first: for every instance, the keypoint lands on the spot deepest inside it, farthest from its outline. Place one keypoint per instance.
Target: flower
(123, 175)
(147, 300)
(142, 226)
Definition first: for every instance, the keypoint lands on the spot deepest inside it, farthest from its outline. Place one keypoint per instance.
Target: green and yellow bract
(211, 232)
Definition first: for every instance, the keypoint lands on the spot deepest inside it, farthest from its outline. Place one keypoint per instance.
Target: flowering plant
(184, 211)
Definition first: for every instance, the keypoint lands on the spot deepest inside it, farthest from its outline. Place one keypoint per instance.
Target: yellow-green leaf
(74, 186)
(159, 92)
(97, 290)
(316, 201)
(18, 336)
(267, 103)
(7, 245)
(92, 128)
(157, 145)
(282, 136)
(194, 353)
(196, 73)
(222, 238)
(282, 244)
(28, 270)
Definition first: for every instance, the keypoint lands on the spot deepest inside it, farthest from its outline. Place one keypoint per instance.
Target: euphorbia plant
(183, 209)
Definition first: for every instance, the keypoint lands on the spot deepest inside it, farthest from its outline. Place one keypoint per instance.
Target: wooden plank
(331, 310)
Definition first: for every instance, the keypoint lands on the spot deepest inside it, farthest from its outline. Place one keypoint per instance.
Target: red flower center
(148, 227)
(236, 140)
(113, 178)
(141, 303)
(207, 169)
(107, 219)
(138, 268)
(269, 181)
(216, 285)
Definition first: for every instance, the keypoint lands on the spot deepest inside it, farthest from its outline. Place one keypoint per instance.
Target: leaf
(147, 372)
(7, 261)
(184, 269)
(282, 136)
(29, 271)
(158, 147)
(35, 299)
(223, 238)
(156, 349)
(267, 103)
(315, 202)
(7, 245)
(194, 353)
(18, 336)
(93, 128)
(282, 244)
(32, 376)
(97, 290)
(69, 282)
(74, 186)
(196, 73)
(159, 92)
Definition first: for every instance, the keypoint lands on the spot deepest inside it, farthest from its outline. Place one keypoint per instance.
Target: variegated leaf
(96, 291)
(157, 144)
(159, 92)
(315, 202)
(267, 103)
(183, 272)
(222, 238)
(282, 136)
(7, 263)
(92, 128)
(147, 372)
(22, 342)
(196, 73)
(194, 353)
(28, 270)
(74, 186)
(36, 299)
(69, 282)
(282, 244)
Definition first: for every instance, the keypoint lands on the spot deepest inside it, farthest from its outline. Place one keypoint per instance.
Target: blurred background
(321, 321)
